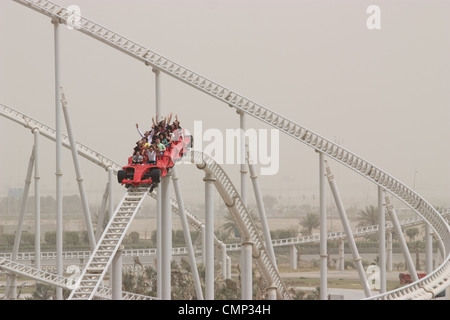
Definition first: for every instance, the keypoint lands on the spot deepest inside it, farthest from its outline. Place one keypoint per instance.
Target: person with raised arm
(147, 135)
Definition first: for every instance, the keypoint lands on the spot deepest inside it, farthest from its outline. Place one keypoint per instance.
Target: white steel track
(95, 157)
(86, 152)
(108, 244)
(243, 219)
(62, 282)
(424, 288)
(197, 223)
(239, 212)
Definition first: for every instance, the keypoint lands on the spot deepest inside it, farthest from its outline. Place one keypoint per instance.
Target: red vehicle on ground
(405, 278)
(151, 174)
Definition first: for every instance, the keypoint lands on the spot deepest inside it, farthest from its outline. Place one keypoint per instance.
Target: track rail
(91, 281)
(108, 244)
(357, 232)
(314, 238)
(83, 150)
(243, 220)
(104, 162)
(289, 127)
(234, 99)
(62, 282)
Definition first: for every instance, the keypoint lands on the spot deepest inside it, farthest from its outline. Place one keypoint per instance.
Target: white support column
(23, 205)
(228, 267)
(111, 207)
(157, 93)
(187, 235)
(58, 173)
(223, 259)
(401, 239)
(166, 236)
(389, 252)
(272, 293)
(209, 235)
(11, 290)
(203, 239)
(341, 255)
(158, 194)
(428, 249)
(262, 212)
(116, 272)
(76, 163)
(293, 255)
(101, 215)
(246, 273)
(37, 203)
(348, 233)
(246, 261)
(323, 230)
(158, 243)
(382, 239)
(242, 157)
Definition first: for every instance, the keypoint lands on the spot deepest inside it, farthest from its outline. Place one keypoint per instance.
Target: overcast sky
(383, 94)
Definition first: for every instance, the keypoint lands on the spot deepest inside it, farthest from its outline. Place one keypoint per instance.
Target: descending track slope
(129, 205)
(289, 127)
(224, 185)
(108, 244)
(88, 153)
(104, 162)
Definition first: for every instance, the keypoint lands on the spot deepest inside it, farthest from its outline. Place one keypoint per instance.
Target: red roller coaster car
(151, 174)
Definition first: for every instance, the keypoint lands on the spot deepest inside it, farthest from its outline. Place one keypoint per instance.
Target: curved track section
(89, 154)
(83, 150)
(50, 133)
(289, 127)
(242, 218)
(62, 282)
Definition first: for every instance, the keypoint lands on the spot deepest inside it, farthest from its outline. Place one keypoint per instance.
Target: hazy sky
(383, 94)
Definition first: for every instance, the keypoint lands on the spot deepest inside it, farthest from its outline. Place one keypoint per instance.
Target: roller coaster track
(62, 282)
(244, 222)
(108, 244)
(116, 229)
(357, 232)
(226, 190)
(196, 223)
(425, 287)
(83, 150)
(88, 153)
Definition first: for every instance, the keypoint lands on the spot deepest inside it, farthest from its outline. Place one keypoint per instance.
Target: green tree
(289, 232)
(43, 292)
(50, 237)
(178, 237)
(229, 228)
(8, 239)
(411, 233)
(310, 222)
(368, 216)
(143, 281)
(71, 238)
(133, 237)
(417, 247)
